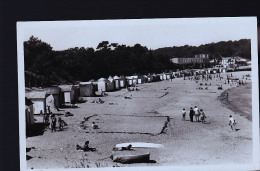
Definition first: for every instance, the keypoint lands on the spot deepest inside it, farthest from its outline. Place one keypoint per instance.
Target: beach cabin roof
(102, 79)
(110, 78)
(116, 77)
(66, 87)
(85, 83)
(35, 95)
(52, 90)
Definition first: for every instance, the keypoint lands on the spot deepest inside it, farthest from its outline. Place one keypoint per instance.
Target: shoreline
(236, 102)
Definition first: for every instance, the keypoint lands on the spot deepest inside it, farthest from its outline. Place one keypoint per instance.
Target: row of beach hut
(54, 97)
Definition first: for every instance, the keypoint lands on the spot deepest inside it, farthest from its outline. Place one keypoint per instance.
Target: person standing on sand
(53, 123)
(232, 123)
(202, 116)
(183, 114)
(191, 114)
(196, 113)
(227, 96)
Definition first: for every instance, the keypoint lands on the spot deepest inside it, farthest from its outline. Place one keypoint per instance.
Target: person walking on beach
(232, 123)
(191, 114)
(202, 116)
(196, 113)
(53, 123)
(227, 96)
(183, 114)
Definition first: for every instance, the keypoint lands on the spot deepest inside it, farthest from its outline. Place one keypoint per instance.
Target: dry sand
(142, 119)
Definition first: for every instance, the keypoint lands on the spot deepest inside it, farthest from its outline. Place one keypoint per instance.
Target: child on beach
(232, 123)
(94, 126)
(202, 116)
(183, 112)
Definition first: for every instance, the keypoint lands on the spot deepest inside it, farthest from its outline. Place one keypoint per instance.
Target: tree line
(45, 66)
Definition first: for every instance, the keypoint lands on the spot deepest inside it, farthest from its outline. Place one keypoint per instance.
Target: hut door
(67, 97)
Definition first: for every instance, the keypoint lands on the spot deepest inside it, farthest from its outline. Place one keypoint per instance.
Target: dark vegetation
(44, 66)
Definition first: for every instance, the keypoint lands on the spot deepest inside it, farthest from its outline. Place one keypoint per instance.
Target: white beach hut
(116, 80)
(38, 99)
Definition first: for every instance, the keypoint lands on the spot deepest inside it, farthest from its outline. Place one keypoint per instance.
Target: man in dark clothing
(191, 114)
(53, 123)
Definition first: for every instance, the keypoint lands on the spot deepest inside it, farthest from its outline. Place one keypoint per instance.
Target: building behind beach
(201, 59)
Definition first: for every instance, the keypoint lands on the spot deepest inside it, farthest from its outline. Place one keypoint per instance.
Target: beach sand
(142, 119)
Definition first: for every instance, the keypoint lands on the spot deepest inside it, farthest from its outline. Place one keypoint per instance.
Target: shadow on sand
(36, 130)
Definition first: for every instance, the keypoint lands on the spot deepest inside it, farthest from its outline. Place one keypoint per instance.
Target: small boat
(136, 158)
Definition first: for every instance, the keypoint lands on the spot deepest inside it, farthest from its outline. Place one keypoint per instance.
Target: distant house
(57, 94)
(86, 89)
(38, 99)
(228, 62)
(197, 59)
(29, 115)
(70, 93)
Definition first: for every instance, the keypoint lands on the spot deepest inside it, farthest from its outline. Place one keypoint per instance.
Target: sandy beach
(142, 118)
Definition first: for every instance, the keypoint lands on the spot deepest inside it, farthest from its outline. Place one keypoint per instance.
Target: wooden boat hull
(138, 158)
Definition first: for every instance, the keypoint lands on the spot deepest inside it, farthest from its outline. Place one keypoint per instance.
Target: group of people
(196, 112)
(50, 120)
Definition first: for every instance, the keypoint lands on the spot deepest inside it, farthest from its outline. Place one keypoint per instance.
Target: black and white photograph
(139, 94)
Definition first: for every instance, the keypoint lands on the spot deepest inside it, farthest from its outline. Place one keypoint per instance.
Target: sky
(152, 33)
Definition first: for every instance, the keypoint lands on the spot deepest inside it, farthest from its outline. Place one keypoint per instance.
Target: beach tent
(29, 115)
(38, 99)
(116, 79)
(70, 93)
(57, 94)
(51, 104)
(86, 89)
